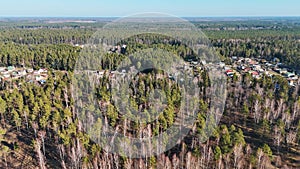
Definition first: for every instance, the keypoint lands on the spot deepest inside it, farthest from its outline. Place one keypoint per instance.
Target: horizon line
(208, 16)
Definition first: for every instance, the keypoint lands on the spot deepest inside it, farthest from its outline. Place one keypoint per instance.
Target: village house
(2, 69)
(43, 71)
(29, 70)
(10, 68)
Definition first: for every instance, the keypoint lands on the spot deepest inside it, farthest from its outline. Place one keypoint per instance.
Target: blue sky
(181, 8)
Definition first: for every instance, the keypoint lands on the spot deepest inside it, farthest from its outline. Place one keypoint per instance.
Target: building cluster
(10, 73)
(118, 49)
(254, 66)
(258, 67)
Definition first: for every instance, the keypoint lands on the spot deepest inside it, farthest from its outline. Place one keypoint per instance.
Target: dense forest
(40, 128)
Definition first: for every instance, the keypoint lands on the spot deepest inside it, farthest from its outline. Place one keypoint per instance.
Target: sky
(118, 8)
